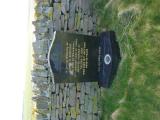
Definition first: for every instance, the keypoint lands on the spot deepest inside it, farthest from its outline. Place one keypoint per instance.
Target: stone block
(60, 99)
(56, 117)
(46, 3)
(41, 105)
(86, 103)
(83, 116)
(40, 73)
(38, 36)
(72, 96)
(41, 44)
(38, 23)
(90, 107)
(88, 87)
(78, 18)
(63, 6)
(41, 116)
(94, 106)
(85, 24)
(41, 51)
(43, 86)
(90, 25)
(67, 103)
(71, 85)
(57, 89)
(57, 25)
(86, 6)
(45, 93)
(36, 79)
(81, 108)
(71, 21)
(73, 112)
(82, 94)
(68, 116)
(78, 87)
(95, 117)
(61, 86)
(77, 107)
(78, 95)
(67, 5)
(38, 67)
(62, 18)
(39, 9)
(56, 16)
(64, 100)
(57, 102)
(48, 11)
(66, 17)
(78, 117)
(64, 114)
(53, 117)
(41, 30)
(60, 113)
(40, 61)
(53, 88)
(81, 24)
(40, 98)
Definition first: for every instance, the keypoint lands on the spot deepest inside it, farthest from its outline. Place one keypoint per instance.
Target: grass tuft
(134, 94)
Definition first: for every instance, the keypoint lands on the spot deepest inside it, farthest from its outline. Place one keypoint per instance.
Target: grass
(135, 92)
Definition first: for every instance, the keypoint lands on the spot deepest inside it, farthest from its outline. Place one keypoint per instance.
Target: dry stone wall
(65, 101)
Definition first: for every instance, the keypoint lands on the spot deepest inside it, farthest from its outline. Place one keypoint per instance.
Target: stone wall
(65, 101)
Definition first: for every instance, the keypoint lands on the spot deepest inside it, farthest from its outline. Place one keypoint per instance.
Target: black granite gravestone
(83, 58)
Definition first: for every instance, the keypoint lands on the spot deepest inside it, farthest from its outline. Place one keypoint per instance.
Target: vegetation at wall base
(135, 92)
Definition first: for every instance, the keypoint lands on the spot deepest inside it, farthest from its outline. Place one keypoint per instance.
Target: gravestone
(75, 58)
(69, 101)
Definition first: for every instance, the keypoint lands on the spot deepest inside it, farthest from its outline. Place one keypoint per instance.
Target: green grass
(135, 92)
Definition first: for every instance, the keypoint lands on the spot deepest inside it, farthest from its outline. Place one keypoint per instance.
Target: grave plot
(62, 101)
